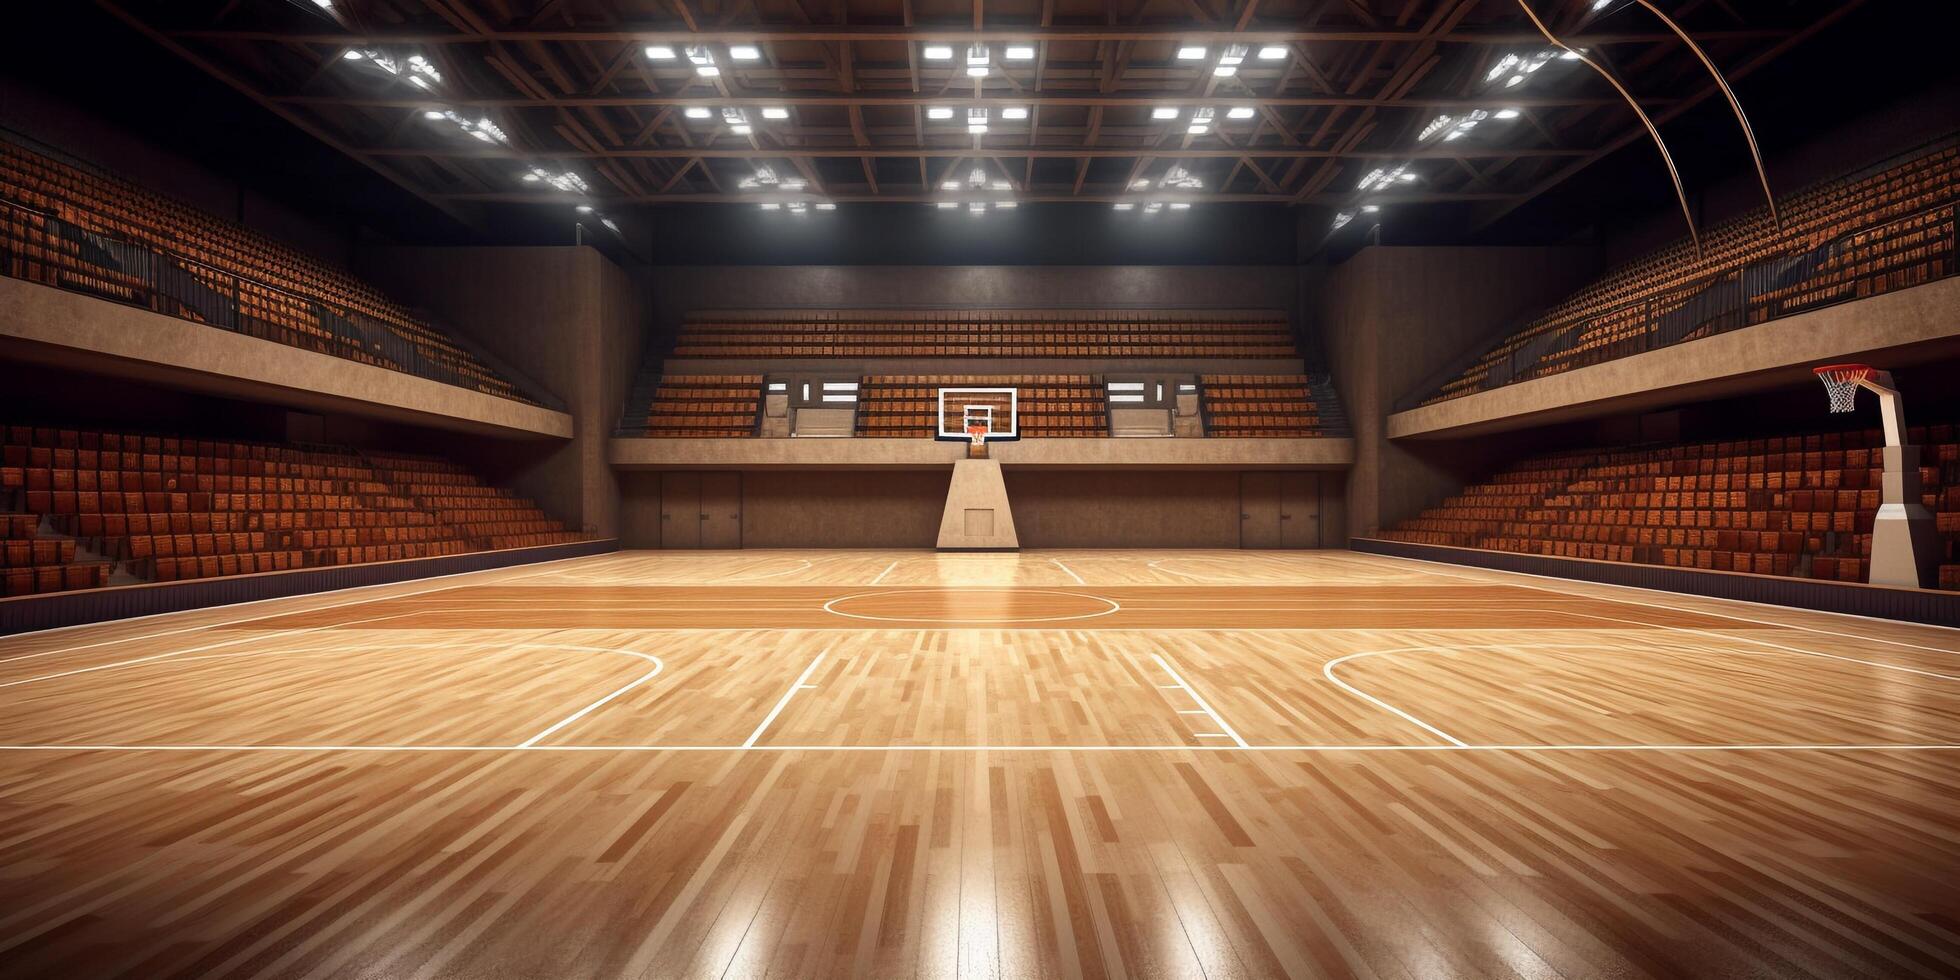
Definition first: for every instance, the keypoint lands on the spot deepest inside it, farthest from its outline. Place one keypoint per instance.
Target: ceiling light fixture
(1272, 52)
(1124, 206)
(1228, 63)
(704, 61)
(567, 181)
(1239, 112)
(939, 112)
(938, 52)
(744, 52)
(697, 112)
(1014, 112)
(775, 112)
(1165, 112)
(1190, 53)
(976, 60)
(1200, 121)
(736, 120)
(976, 120)
(660, 52)
(1019, 52)
(1381, 178)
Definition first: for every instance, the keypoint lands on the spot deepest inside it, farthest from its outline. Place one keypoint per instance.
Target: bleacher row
(283, 295)
(705, 406)
(1050, 406)
(1269, 406)
(79, 509)
(1006, 333)
(1795, 505)
(721, 406)
(1888, 226)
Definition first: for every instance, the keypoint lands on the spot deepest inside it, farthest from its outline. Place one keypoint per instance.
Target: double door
(700, 510)
(1280, 510)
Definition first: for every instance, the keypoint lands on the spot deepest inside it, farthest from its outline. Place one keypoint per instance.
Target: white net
(1841, 386)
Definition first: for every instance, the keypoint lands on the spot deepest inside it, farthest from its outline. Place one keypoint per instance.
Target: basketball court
(1073, 763)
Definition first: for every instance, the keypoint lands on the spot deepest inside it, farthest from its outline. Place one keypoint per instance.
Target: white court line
(1070, 571)
(1327, 671)
(800, 685)
(658, 666)
(209, 646)
(289, 598)
(887, 571)
(1226, 730)
(1731, 747)
(1658, 605)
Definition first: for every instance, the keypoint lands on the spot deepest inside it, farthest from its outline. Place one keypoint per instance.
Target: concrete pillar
(977, 515)
(1905, 546)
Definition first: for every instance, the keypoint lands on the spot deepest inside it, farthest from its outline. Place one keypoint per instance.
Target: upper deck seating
(1886, 227)
(74, 227)
(1005, 333)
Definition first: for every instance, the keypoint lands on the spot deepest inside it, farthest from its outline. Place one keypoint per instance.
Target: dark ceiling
(1351, 85)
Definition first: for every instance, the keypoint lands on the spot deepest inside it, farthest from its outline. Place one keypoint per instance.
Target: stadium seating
(1886, 227)
(1005, 333)
(485, 517)
(1267, 406)
(77, 506)
(70, 226)
(718, 406)
(1792, 505)
(1051, 406)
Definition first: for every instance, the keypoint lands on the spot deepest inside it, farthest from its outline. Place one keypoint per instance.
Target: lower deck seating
(77, 508)
(1263, 406)
(706, 406)
(484, 516)
(1793, 505)
(1050, 405)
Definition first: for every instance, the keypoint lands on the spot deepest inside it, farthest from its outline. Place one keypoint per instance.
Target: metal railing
(40, 246)
(1770, 288)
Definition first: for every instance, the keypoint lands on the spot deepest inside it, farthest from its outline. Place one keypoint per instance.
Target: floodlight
(744, 52)
(1191, 53)
(939, 112)
(938, 52)
(1014, 112)
(1272, 52)
(775, 112)
(1165, 112)
(697, 112)
(1239, 112)
(660, 52)
(1019, 52)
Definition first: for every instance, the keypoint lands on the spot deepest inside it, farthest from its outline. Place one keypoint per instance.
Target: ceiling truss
(1344, 87)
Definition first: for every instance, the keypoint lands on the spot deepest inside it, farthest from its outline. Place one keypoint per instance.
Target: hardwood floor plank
(303, 788)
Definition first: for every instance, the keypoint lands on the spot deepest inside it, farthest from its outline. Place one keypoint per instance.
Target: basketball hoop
(978, 432)
(1841, 383)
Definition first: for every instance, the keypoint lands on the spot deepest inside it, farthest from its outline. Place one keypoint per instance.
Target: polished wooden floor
(898, 764)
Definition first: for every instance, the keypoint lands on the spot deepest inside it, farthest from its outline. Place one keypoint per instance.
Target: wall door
(680, 510)
(1259, 510)
(721, 510)
(1299, 510)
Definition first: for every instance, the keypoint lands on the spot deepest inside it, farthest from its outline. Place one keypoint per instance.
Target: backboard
(979, 414)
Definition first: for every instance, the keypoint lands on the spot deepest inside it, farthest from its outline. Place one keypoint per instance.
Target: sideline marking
(800, 685)
(1225, 730)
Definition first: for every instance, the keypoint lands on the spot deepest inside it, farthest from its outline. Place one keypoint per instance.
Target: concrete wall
(1125, 509)
(568, 318)
(47, 326)
(1897, 329)
(1390, 318)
